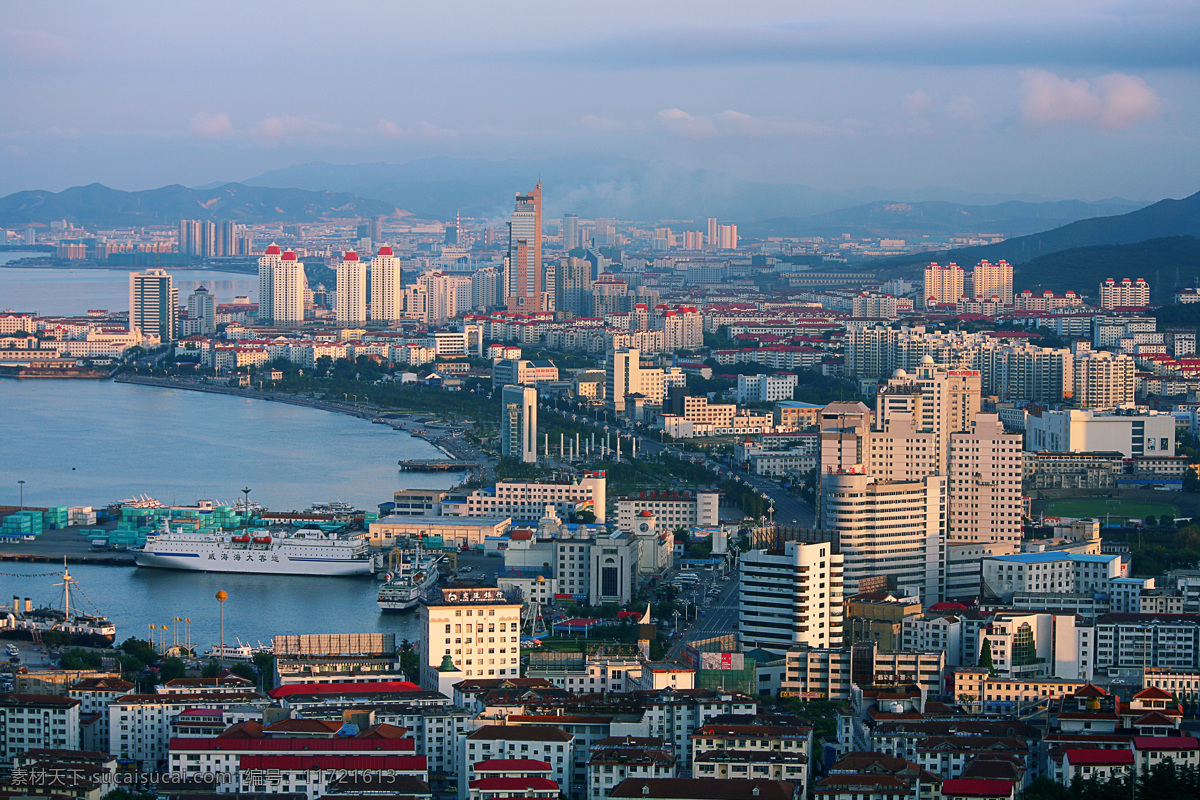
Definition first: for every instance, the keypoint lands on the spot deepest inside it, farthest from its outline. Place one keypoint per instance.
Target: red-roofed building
(1152, 750)
(349, 689)
(490, 744)
(495, 788)
(972, 788)
(1097, 763)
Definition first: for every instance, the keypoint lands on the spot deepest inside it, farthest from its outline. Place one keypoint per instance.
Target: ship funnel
(16, 604)
(28, 605)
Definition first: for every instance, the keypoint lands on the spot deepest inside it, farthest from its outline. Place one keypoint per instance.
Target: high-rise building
(573, 287)
(523, 264)
(153, 300)
(468, 633)
(449, 296)
(992, 280)
(943, 285)
(486, 288)
(387, 287)
(610, 295)
(712, 239)
(281, 287)
(790, 597)
(202, 306)
(229, 239)
(351, 299)
(416, 302)
(727, 237)
(570, 232)
(518, 423)
(1126, 294)
(1104, 380)
(626, 376)
(893, 529)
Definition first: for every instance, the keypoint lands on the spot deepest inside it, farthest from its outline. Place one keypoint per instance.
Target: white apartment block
(537, 742)
(468, 633)
(587, 673)
(792, 597)
(518, 423)
(387, 287)
(608, 766)
(766, 388)
(37, 722)
(1049, 573)
(874, 306)
(528, 501)
(1040, 645)
(890, 528)
(1126, 294)
(351, 301)
(1104, 380)
(94, 696)
(672, 509)
(626, 376)
(140, 725)
(986, 468)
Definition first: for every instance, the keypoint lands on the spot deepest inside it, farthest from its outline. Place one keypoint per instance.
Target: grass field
(1100, 506)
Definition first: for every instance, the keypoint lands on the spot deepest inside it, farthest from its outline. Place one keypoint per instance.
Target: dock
(436, 465)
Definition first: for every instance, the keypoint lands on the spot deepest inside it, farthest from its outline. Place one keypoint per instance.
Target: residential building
(37, 722)
(573, 287)
(703, 788)
(672, 509)
(543, 743)
(616, 758)
(281, 287)
(1104, 380)
(522, 372)
(527, 500)
(351, 305)
(1126, 294)
(468, 633)
(626, 376)
(518, 423)
(387, 287)
(94, 696)
(141, 725)
(993, 280)
(766, 388)
(153, 305)
(202, 307)
(789, 597)
(943, 285)
(1133, 435)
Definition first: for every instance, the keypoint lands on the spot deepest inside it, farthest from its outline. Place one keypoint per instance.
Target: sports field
(1098, 507)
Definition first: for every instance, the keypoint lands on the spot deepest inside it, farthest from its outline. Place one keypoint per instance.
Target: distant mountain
(912, 221)
(1165, 218)
(1167, 264)
(97, 205)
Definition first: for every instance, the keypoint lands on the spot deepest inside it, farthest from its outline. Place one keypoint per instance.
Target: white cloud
(915, 104)
(599, 123)
(1117, 101)
(734, 123)
(210, 126)
(285, 126)
(391, 129)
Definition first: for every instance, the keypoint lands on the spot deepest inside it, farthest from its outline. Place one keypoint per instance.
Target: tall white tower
(387, 288)
(288, 296)
(351, 291)
(152, 304)
(266, 282)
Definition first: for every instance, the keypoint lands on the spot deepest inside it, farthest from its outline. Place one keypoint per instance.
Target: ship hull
(77, 639)
(194, 562)
(398, 606)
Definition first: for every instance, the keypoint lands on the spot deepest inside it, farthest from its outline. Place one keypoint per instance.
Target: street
(719, 617)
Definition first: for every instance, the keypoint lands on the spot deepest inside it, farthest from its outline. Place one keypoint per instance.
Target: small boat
(239, 652)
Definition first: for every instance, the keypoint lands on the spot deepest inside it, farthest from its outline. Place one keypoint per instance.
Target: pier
(436, 465)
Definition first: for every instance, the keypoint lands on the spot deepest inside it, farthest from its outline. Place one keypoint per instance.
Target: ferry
(89, 630)
(403, 591)
(239, 652)
(258, 552)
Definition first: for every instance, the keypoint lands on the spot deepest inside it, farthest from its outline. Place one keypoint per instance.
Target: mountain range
(96, 205)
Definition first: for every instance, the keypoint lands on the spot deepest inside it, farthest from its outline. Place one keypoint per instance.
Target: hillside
(96, 205)
(911, 221)
(1167, 263)
(1165, 218)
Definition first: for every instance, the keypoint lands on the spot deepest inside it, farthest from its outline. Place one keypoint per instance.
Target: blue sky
(1053, 99)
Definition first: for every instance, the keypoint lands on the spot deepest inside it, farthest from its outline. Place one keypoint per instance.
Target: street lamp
(222, 596)
(21, 488)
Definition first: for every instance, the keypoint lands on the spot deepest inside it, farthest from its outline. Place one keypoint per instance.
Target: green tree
(211, 670)
(985, 657)
(170, 669)
(265, 664)
(78, 658)
(245, 671)
(1191, 481)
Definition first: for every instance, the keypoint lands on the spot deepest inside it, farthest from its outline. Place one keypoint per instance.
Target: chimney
(16, 604)
(28, 605)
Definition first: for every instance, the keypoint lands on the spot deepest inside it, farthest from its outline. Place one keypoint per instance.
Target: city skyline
(878, 95)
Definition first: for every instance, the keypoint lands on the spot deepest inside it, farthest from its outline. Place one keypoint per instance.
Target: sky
(1058, 99)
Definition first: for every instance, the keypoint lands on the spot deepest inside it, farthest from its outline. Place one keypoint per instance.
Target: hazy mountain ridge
(98, 205)
(1167, 263)
(912, 220)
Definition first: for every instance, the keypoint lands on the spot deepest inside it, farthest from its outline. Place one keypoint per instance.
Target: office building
(790, 597)
(523, 264)
(202, 307)
(626, 376)
(573, 287)
(153, 301)
(387, 287)
(990, 280)
(468, 633)
(518, 423)
(1126, 294)
(570, 232)
(943, 285)
(351, 303)
(894, 529)
(766, 388)
(1150, 433)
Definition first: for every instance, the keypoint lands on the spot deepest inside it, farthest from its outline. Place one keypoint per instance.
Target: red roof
(491, 784)
(937, 607)
(386, 250)
(350, 256)
(1099, 757)
(1166, 743)
(512, 765)
(399, 763)
(976, 787)
(272, 250)
(355, 687)
(289, 256)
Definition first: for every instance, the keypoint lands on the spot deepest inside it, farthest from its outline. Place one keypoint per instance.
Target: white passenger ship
(403, 591)
(304, 552)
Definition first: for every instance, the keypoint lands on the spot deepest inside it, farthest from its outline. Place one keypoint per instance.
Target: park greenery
(1163, 781)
